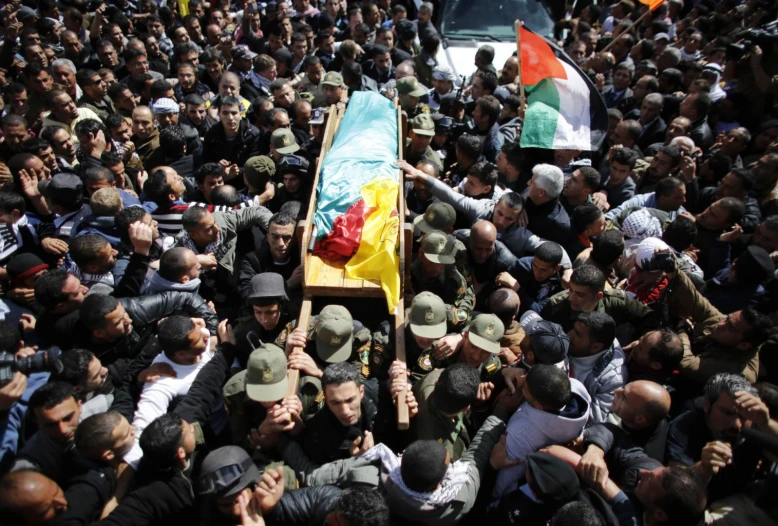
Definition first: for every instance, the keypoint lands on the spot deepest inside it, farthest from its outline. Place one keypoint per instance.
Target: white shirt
(157, 396)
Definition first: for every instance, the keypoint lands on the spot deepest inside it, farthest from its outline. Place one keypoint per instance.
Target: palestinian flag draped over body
(564, 108)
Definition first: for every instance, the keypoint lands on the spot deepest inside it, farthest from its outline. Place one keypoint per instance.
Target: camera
(763, 37)
(40, 361)
(663, 261)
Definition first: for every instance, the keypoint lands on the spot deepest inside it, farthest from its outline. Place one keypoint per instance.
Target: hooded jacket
(215, 144)
(609, 373)
(531, 429)
(156, 283)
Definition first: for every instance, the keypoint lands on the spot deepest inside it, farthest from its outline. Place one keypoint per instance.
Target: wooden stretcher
(328, 278)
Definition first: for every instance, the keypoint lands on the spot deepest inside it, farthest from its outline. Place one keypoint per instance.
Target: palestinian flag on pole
(564, 108)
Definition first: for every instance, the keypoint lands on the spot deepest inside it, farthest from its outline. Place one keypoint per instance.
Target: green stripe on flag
(542, 115)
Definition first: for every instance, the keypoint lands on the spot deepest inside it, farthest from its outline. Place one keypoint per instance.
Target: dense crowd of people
(589, 335)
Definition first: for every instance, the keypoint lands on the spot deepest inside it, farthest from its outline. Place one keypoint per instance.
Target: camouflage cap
(485, 332)
(437, 217)
(266, 374)
(438, 248)
(334, 334)
(410, 86)
(283, 141)
(427, 316)
(258, 170)
(333, 78)
(422, 124)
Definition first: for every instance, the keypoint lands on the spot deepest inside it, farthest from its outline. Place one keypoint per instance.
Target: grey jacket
(230, 224)
(517, 239)
(609, 374)
(358, 470)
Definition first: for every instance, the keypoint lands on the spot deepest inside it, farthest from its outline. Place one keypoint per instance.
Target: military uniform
(452, 288)
(250, 335)
(431, 424)
(427, 155)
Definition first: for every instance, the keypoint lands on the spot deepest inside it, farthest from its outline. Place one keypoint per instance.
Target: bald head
(31, 496)
(504, 303)
(484, 230)
(644, 404)
(404, 69)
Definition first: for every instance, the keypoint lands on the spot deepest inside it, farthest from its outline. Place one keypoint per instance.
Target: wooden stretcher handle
(293, 375)
(403, 418)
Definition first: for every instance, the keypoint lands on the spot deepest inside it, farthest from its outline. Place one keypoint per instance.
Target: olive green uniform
(452, 288)
(431, 424)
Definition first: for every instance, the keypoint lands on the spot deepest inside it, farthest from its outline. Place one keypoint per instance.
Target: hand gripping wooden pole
(293, 375)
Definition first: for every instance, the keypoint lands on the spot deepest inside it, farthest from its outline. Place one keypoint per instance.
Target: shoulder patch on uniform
(491, 367)
(425, 362)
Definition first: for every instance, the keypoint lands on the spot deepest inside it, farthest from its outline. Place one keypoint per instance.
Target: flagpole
(518, 55)
(636, 22)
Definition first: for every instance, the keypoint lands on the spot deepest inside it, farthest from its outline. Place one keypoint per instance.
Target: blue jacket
(532, 293)
(11, 422)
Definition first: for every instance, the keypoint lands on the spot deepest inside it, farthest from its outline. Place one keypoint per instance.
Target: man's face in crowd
(299, 49)
(211, 182)
(724, 420)
(509, 70)
(580, 340)
(477, 91)
(65, 76)
(345, 402)
(42, 83)
(108, 56)
(126, 101)
(574, 187)
(715, 217)
(59, 423)
(383, 62)
(187, 78)
(504, 217)
(314, 73)
(674, 201)
(48, 158)
(64, 108)
(418, 187)
(267, 315)
(118, 324)
(166, 120)
(481, 248)
(472, 355)
(142, 123)
(206, 232)
(622, 136)
(63, 144)
(621, 79)
(474, 187)
(578, 52)
(196, 113)
(181, 36)
(229, 86)
(292, 183)
(543, 270)
(122, 132)
(730, 186)
(36, 54)
(285, 96)
(649, 112)
(105, 259)
(327, 45)
(280, 239)
(641, 353)
(731, 331)
(96, 88)
(661, 166)
(765, 238)
(619, 173)
(14, 136)
(734, 142)
(214, 69)
(385, 39)
(18, 102)
(230, 117)
(419, 142)
(678, 127)
(583, 298)
(95, 376)
(640, 89)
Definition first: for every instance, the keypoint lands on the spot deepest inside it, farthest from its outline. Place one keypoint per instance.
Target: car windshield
(493, 19)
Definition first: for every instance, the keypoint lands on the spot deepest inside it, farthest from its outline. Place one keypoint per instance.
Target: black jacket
(86, 496)
(216, 145)
(301, 507)
(654, 132)
(259, 261)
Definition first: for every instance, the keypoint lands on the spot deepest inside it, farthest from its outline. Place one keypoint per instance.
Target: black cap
(267, 285)
(65, 188)
(548, 340)
(227, 471)
(553, 480)
(443, 123)
(293, 164)
(754, 265)
(23, 266)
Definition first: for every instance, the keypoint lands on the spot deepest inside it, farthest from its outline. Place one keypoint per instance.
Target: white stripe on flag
(573, 129)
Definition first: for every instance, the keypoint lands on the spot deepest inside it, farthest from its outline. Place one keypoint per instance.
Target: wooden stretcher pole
(518, 56)
(403, 418)
(293, 375)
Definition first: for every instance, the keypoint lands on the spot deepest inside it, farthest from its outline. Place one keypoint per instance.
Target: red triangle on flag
(537, 59)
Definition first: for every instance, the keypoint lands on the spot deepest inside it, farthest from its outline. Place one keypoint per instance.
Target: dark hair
(90, 126)
(761, 326)
(114, 90)
(33, 145)
(161, 439)
(577, 513)
(513, 154)
(423, 465)
(584, 215)
(602, 328)
(75, 365)
(339, 374)
(10, 336)
(159, 87)
(485, 172)
(680, 233)
(504, 303)
(633, 128)
(549, 385)
(125, 218)
(83, 249)
(12, 119)
(98, 173)
(665, 187)
(746, 177)
(11, 200)
(431, 43)
(702, 104)
(281, 219)
(490, 107)
(172, 264)
(458, 387)
(110, 159)
(194, 99)
(591, 177)
(173, 334)
(229, 101)
(157, 188)
(48, 288)
(549, 252)
(625, 156)
(684, 497)
(95, 308)
(668, 352)
(470, 146)
(363, 506)
(734, 207)
(225, 195)
(94, 434)
(589, 276)
(207, 170)
(488, 79)
(673, 152)
(607, 248)
(192, 216)
(172, 141)
(52, 394)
